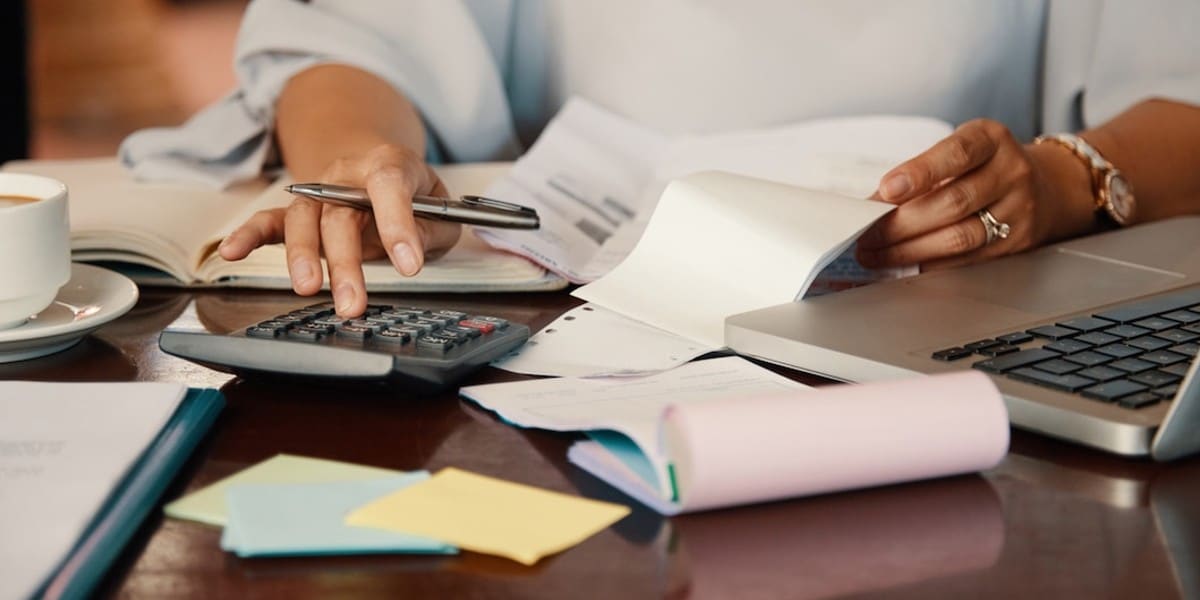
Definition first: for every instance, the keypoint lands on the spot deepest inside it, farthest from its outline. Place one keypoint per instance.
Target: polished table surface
(1051, 520)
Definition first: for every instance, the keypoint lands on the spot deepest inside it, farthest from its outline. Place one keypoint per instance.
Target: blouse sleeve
(1104, 56)
(434, 51)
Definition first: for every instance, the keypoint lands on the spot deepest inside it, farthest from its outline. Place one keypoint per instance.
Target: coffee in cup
(35, 251)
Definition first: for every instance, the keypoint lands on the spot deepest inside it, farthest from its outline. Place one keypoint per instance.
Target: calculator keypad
(383, 328)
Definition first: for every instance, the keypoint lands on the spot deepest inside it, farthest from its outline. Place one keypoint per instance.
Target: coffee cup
(35, 250)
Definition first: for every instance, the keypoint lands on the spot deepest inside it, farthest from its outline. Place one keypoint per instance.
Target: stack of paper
(724, 432)
(292, 505)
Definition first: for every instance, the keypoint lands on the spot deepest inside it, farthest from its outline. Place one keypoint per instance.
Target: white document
(720, 244)
(631, 406)
(595, 177)
(592, 341)
(63, 448)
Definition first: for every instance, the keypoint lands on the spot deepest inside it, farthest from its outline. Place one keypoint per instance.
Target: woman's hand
(392, 175)
(1040, 192)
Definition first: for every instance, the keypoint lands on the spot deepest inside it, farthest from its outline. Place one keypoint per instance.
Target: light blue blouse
(487, 75)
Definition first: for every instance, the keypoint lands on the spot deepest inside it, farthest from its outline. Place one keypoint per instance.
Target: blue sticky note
(307, 519)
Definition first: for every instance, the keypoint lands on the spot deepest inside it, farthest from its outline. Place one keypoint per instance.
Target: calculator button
(435, 343)
(470, 332)
(264, 332)
(385, 320)
(497, 321)
(453, 315)
(276, 324)
(482, 326)
(433, 324)
(364, 323)
(411, 332)
(322, 329)
(393, 337)
(355, 332)
(305, 335)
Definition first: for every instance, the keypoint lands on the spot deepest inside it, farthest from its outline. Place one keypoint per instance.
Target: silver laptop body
(891, 330)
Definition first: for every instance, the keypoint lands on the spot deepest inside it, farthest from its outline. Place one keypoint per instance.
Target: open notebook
(167, 234)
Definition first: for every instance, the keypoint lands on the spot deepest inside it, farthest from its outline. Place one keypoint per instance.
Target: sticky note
(489, 515)
(292, 519)
(207, 505)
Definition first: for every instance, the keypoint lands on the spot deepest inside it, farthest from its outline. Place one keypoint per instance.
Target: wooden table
(1052, 520)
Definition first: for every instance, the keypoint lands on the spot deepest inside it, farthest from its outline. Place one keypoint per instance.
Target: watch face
(1120, 202)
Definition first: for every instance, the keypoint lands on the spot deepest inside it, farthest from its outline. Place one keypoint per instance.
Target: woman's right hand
(392, 175)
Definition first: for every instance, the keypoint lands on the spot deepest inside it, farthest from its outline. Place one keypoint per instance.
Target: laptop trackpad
(1050, 282)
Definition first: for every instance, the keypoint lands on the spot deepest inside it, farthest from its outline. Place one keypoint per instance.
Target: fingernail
(344, 299)
(302, 271)
(406, 259)
(895, 186)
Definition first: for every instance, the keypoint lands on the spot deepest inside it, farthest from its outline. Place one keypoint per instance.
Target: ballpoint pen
(475, 210)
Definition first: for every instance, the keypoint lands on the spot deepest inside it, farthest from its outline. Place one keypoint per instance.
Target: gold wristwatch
(1112, 192)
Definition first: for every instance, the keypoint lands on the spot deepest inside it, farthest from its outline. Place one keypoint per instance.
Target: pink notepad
(731, 451)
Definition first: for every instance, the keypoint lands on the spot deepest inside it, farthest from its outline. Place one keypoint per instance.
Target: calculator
(422, 349)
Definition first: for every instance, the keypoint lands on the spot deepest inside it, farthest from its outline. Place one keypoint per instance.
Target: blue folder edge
(138, 493)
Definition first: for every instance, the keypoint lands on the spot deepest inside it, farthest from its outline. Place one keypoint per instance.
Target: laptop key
(1019, 337)
(1182, 316)
(1110, 391)
(1155, 323)
(1179, 369)
(1154, 378)
(1178, 336)
(1101, 373)
(1067, 346)
(981, 344)
(1188, 349)
(998, 350)
(1126, 331)
(1148, 343)
(1088, 358)
(1086, 324)
(1131, 365)
(1057, 366)
(1067, 383)
(1052, 332)
(951, 354)
(1139, 400)
(1097, 338)
(1118, 350)
(1167, 391)
(1015, 360)
(1163, 357)
(1148, 308)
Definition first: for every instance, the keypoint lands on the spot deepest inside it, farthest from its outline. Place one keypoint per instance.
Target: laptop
(1092, 340)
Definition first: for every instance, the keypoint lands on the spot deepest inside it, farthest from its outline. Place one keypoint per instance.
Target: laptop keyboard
(1134, 355)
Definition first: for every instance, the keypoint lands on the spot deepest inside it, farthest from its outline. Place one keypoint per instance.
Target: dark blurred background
(79, 75)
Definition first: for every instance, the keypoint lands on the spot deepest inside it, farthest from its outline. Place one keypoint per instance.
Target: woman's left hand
(942, 195)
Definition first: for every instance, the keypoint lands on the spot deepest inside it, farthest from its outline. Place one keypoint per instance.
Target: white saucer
(91, 298)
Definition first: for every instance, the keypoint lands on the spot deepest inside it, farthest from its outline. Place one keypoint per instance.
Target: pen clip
(497, 204)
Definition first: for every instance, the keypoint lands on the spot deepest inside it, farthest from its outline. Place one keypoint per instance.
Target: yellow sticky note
(489, 515)
(207, 504)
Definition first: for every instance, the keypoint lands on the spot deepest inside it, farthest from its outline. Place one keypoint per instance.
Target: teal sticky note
(292, 519)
